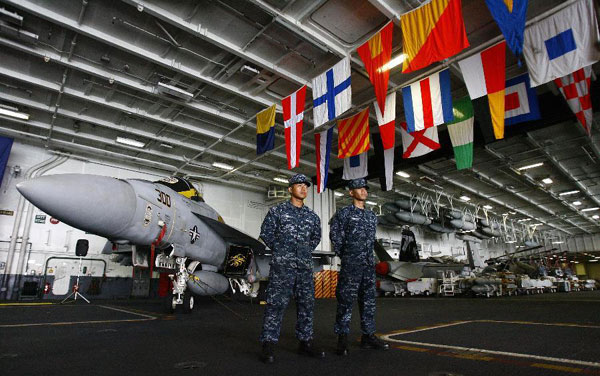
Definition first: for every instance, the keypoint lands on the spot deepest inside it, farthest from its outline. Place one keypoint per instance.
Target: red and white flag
(575, 88)
(323, 151)
(387, 121)
(419, 143)
(293, 117)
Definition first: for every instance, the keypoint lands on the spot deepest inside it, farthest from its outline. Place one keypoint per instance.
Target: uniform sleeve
(268, 227)
(336, 233)
(315, 236)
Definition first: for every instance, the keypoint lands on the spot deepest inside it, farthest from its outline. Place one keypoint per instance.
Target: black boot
(372, 342)
(342, 345)
(307, 348)
(267, 354)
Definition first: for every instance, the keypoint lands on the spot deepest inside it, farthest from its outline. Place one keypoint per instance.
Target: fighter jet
(169, 217)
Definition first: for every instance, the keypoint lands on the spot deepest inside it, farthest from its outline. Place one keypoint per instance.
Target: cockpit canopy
(182, 186)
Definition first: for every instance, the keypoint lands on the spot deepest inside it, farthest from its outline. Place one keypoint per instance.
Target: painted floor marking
(23, 304)
(388, 337)
(144, 317)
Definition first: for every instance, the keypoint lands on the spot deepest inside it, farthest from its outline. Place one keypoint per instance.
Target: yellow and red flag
(432, 33)
(353, 134)
(375, 53)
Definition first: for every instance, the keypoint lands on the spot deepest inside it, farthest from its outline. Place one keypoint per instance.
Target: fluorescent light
(166, 146)
(130, 142)
(594, 260)
(511, 241)
(557, 242)
(174, 90)
(223, 166)
(536, 224)
(595, 216)
(531, 166)
(524, 220)
(281, 180)
(590, 209)
(465, 198)
(576, 203)
(403, 174)
(488, 207)
(568, 193)
(393, 63)
(370, 203)
(513, 212)
(547, 181)
(338, 194)
(15, 113)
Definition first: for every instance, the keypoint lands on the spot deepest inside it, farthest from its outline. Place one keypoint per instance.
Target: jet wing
(232, 235)
(381, 253)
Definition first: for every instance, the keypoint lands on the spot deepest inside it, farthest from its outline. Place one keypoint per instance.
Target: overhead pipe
(472, 190)
(556, 163)
(17, 224)
(28, 219)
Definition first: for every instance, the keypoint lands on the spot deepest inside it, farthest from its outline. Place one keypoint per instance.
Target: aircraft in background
(168, 217)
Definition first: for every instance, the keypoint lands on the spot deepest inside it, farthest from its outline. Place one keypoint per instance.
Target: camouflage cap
(299, 179)
(358, 183)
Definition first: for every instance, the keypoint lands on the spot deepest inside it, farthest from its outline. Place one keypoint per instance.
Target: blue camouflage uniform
(292, 234)
(352, 234)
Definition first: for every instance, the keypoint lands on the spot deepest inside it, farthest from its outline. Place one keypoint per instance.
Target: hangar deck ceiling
(98, 70)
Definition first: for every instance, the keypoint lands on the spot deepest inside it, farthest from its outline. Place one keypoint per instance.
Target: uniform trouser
(355, 281)
(283, 283)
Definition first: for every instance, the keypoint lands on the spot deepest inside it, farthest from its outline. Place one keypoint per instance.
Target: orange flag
(353, 134)
(375, 53)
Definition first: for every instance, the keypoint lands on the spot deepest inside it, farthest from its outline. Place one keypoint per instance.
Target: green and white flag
(461, 133)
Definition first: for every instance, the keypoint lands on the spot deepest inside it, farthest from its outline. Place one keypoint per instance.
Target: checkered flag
(575, 88)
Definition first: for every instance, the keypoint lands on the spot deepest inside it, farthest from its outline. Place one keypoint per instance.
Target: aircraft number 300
(163, 197)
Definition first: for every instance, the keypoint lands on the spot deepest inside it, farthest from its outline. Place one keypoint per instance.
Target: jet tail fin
(381, 253)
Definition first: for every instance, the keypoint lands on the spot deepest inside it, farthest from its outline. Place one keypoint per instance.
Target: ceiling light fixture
(534, 165)
(166, 146)
(130, 142)
(488, 207)
(568, 193)
(576, 203)
(338, 194)
(590, 209)
(593, 260)
(524, 220)
(536, 224)
(511, 241)
(393, 63)
(281, 180)
(557, 242)
(370, 203)
(547, 181)
(465, 198)
(13, 112)
(595, 216)
(403, 174)
(223, 166)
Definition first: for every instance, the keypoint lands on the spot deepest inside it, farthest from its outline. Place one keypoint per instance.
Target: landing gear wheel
(169, 304)
(188, 302)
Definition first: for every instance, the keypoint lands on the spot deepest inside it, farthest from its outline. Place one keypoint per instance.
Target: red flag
(375, 53)
(575, 88)
(353, 134)
(293, 116)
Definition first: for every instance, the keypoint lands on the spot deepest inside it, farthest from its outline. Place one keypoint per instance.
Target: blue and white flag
(562, 43)
(510, 16)
(332, 94)
(323, 150)
(356, 167)
(520, 101)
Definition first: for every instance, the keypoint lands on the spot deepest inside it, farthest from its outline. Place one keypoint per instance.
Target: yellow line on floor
(64, 323)
(23, 304)
(557, 368)
(412, 348)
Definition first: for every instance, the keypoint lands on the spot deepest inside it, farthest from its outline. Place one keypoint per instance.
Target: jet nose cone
(96, 204)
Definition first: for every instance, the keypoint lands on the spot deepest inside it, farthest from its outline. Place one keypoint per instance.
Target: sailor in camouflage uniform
(352, 234)
(292, 231)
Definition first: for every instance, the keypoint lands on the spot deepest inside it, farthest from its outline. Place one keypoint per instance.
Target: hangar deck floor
(549, 334)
